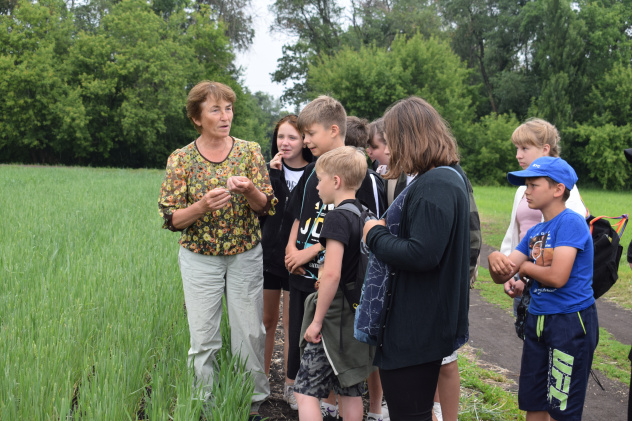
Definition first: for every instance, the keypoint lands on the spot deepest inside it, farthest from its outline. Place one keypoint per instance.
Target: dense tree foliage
(107, 85)
(567, 62)
(104, 82)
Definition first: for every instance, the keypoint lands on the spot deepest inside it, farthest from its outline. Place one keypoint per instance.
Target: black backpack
(353, 290)
(607, 251)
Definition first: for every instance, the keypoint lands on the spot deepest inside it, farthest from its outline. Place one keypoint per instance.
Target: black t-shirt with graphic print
(306, 206)
(344, 226)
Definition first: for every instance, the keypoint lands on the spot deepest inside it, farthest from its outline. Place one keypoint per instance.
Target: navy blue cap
(547, 166)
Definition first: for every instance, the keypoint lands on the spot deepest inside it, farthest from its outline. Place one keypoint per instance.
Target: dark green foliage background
(104, 82)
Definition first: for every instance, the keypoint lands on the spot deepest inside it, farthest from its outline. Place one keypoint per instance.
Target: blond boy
(332, 358)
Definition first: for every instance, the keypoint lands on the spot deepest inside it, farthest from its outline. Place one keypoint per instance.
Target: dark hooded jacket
(274, 233)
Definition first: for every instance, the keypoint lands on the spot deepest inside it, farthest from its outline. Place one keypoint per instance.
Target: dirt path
(494, 342)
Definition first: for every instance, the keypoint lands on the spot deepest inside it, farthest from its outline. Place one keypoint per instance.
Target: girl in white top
(533, 139)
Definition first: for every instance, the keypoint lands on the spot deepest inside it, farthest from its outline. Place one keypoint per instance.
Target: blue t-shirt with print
(566, 229)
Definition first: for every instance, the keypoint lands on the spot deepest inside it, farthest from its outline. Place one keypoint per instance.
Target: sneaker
(255, 417)
(436, 409)
(288, 396)
(329, 412)
(374, 417)
(385, 414)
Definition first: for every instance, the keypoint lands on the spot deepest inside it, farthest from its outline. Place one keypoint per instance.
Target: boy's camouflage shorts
(316, 377)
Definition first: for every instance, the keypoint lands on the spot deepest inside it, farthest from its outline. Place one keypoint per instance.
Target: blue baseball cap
(547, 166)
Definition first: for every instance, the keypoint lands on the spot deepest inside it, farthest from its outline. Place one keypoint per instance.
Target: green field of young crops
(92, 323)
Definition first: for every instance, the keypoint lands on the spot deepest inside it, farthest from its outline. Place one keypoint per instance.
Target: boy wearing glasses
(561, 331)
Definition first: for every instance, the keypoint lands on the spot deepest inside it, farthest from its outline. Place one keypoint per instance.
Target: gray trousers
(205, 280)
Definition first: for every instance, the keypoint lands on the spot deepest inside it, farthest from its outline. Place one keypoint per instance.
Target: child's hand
(312, 334)
(277, 161)
(295, 260)
(500, 264)
(523, 272)
(514, 288)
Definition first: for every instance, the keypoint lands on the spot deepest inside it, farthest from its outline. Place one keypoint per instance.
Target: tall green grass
(494, 205)
(91, 306)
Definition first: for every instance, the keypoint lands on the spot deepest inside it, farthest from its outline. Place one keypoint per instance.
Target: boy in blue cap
(561, 331)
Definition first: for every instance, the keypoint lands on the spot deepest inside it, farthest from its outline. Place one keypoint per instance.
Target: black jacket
(427, 302)
(274, 233)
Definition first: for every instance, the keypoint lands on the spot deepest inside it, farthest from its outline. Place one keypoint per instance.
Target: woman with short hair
(213, 192)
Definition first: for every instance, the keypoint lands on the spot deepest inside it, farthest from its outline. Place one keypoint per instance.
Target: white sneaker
(436, 408)
(374, 417)
(288, 396)
(385, 414)
(329, 412)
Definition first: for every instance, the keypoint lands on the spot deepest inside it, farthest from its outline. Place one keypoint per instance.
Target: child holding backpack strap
(332, 358)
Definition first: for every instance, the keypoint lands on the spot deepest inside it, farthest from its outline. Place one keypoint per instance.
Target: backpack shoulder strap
(305, 189)
(452, 169)
(351, 208)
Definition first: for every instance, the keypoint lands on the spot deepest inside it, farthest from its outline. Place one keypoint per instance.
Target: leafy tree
(557, 59)
(39, 112)
(367, 81)
(485, 34)
(490, 155)
(237, 22)
(6, 6)
(317, 25)
(609, 131)
(321, 29)
(380, 21)
(113, 90)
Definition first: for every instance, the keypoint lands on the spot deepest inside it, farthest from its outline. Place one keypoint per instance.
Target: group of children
(322, 357)
(319, 245)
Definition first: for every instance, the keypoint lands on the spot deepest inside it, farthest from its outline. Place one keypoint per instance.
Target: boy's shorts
(556, 360)
(272, 281)
(316, 377)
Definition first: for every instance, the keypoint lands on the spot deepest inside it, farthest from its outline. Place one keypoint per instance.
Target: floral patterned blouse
(231, 230)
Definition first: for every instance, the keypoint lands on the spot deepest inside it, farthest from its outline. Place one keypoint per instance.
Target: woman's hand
(243, 185)
(312, 334)
(277, 161)
(215, 199)
(370, 224)
(240, 184)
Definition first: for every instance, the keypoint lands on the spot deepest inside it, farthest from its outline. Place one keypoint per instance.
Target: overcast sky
(261, 59)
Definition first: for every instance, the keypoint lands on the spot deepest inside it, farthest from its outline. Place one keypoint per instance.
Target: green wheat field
(92, 323)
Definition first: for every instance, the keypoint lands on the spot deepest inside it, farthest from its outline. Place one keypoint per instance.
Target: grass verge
(483, 392)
